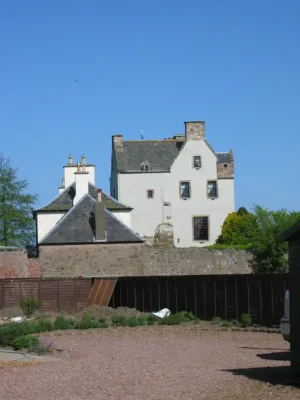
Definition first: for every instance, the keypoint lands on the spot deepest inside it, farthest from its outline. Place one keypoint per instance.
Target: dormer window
(145, 166)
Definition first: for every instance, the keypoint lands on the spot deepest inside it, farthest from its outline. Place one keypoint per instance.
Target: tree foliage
(17, 227)
(260, 230)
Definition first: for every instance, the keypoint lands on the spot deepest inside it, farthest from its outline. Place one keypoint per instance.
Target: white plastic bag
(16, 319)
(165, 312)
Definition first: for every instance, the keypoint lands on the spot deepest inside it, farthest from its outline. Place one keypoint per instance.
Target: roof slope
(78, 226)
(160, 154)
(64, 201)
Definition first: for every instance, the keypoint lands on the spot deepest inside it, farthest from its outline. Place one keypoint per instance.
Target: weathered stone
(138, 260)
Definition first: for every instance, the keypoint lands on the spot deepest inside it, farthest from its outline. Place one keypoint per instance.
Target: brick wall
(13, 263)
(138, 260)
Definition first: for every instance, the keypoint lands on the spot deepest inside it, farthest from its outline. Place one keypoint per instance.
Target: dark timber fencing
(207, 296)
(225, 296)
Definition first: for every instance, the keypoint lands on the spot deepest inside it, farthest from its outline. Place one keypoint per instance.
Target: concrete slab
(7, 356)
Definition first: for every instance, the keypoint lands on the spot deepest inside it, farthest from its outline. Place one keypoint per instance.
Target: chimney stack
(118, 143)
(195, 130)
(100, 234)
(81, 184)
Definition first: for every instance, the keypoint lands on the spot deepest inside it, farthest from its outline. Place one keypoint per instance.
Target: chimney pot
(63, 182)
(83, 159)
(78, 167)
(70, 159)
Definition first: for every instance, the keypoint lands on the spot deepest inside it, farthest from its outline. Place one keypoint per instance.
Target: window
(185, 192)
(200, 226)
(146, 168)
(150, 194)
(212, 190)
(196, 161)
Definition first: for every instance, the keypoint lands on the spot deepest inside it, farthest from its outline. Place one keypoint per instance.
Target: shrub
(132, 322)
(24, 342)
(235, 322)
(216, 320)
(151, 319)
(62, 323)
(42, 347)
(188, 316)
(119, 320)
(103, 324)
(141, 320)
(45, 325)
(246, 320)
(226, 324)
(173, 319)
(9, 332)
(88, 322)
(29, 305)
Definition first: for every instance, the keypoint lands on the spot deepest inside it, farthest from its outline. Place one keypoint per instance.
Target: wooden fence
(54, 294)
(225, 296)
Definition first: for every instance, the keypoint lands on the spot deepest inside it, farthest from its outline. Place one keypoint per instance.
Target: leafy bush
(89, 322)
(24, 342)
(173, 319)
(132, 321)
(188, 316)
(151, 319)
(9, 332)
(42, 347)
(45, 325)
(141, 320)
(237, 247)
(226, 324)
(62, 323)
(246, 320)
(119, 320)
(29, 305)
(235, 322)
(216, 320)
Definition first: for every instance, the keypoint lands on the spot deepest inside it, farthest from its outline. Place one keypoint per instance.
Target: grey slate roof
(78, 226)
(63, 202)
(160, 154)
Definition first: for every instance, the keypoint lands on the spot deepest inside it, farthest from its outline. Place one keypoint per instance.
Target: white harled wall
(148, 213)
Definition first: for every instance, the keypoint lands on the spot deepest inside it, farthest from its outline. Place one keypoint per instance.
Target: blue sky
(152, 65)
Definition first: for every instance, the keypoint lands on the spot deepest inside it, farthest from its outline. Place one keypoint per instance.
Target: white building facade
(181, 181)
(78, 181)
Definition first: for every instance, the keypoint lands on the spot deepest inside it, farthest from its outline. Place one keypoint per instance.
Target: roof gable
(64, 201)
(78, 226)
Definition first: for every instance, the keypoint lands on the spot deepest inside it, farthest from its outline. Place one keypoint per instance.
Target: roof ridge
(65, 216)
(68, 187)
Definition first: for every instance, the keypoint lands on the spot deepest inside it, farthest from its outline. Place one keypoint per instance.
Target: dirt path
(154, 363)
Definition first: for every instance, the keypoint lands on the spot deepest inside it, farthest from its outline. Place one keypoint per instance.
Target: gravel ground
(154, 363)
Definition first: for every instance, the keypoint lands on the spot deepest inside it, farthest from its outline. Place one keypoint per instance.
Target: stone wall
(13, 263)
(138, 260)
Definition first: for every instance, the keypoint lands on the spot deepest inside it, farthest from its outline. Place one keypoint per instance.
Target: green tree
(17, 227)
(270, 254)
(259, 230)
(238, 229)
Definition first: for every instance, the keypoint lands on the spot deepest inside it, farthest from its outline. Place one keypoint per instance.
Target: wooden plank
(101, 292)
(93, 292)
(108, 292)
